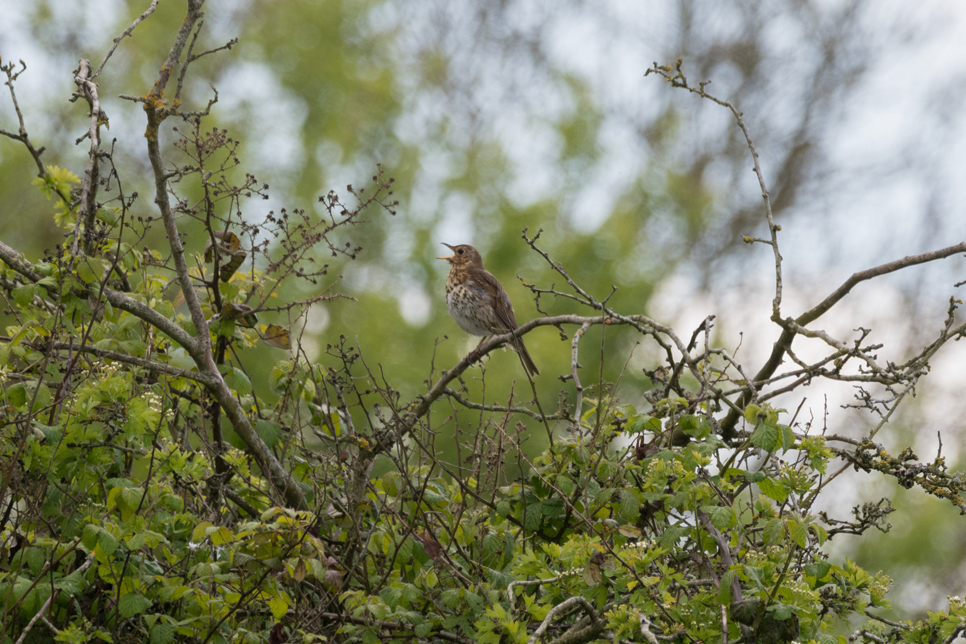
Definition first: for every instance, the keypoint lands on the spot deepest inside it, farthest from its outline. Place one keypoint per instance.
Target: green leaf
(798, 531)
(564, 483)
(133, 603)
(766, 436)
(645, 423)
(781, 612)
(278, 378)
(630, 507)
(236, 379)
(106, 542)
(23, 295)
(820, 533)
(89, 536)
(200, 531)
(532, 519)
(279, 606)
(17, 395)
(220, 536)
(450, 598)
(751, 414)
(162, 634)
(722, 517)
(724, 587)
(269, 432)
(35, 559)
(503, 507)
(128, 500)
(552, 507)
(773, 532)
(774, 490)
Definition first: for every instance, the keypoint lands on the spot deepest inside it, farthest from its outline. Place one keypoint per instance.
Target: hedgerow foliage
(152, 491)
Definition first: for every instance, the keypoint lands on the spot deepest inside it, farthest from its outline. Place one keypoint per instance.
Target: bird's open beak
(451, 248)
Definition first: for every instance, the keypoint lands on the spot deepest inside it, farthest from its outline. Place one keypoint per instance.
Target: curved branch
(583, 635)
(784, 341)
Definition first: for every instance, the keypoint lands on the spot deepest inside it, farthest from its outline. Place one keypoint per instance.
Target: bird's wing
(501, 301)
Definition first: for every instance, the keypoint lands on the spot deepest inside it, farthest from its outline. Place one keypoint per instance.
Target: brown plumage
(478, 302)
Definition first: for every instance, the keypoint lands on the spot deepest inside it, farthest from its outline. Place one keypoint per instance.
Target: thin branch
(127, 32)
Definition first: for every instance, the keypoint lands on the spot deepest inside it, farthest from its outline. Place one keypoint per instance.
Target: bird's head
(463, 255)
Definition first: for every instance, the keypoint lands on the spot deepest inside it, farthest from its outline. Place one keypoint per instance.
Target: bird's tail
(525, 357)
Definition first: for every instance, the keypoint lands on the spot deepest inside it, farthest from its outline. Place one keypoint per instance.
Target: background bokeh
(499, 115)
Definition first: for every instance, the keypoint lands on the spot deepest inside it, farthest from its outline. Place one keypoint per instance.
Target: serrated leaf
(106, 542)
(798, 532)
(781, 612)
(132, 603)
(35, 559)
(269, 432)
(552, 507)
(724, 587)
(89, 536)
(200, 531)
(279, 606)
(278, 378)
(531, 520)
(220, 536)
(565, 484)
(820, 533)
(162, 634)
(17, 395)
(23, 295)
(766, 436)
(128, 500)
(751, 414)
(773, 532)
(236, 379)
(773, 490)
(722, 517)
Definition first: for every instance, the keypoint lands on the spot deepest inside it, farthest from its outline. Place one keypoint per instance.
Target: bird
(478, 302)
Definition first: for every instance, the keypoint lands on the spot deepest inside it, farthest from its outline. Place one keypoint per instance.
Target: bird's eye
(460, 251)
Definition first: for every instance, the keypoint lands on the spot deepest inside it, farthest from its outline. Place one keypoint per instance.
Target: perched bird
(477, 301)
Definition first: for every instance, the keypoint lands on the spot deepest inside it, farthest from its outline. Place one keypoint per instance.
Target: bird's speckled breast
(465, 303)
